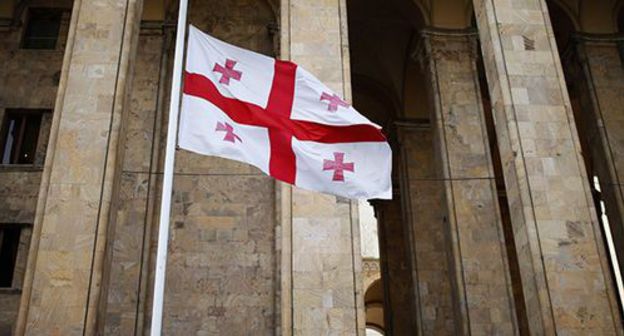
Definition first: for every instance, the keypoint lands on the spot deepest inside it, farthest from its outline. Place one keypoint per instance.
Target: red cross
(227, 72)
(229, 132)
(334, 101)
(338, 166)
(276, 118)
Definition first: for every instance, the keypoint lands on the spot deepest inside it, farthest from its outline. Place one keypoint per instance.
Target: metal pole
(165, 205)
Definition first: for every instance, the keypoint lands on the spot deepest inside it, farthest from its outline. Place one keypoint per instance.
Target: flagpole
(165, 204)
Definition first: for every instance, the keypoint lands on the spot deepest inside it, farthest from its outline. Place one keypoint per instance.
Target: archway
(373, 303)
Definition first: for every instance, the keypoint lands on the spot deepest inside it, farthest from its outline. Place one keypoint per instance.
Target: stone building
(505, 118)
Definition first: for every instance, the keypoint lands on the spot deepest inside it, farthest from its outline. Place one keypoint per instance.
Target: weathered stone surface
(18, 194)
(127, 278)
(431, 241)
(596, 70)
(397, 265)
(29, 80)
(226, 274)
(485, 299)
(80, 176)
(559, 246)
(325, 236)
(221, 274)
(221, 265)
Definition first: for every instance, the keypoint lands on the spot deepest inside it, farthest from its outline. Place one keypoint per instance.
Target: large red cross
(276, 117)
(227, 72)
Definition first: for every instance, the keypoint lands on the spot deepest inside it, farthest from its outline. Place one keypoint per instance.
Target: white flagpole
(165, 205)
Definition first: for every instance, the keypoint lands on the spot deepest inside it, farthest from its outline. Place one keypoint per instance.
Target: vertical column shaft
(595, 67)
(76, 208)
(564, 273)
(326, 284)
(423, 194)
(479, 257)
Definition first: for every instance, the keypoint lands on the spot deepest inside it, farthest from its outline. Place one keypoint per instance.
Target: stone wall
(222, 263)
(135, 218)
(28, 79)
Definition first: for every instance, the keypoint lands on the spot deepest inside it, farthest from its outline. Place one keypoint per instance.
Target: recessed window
(42, 29)
(9, 245)
(19, 136)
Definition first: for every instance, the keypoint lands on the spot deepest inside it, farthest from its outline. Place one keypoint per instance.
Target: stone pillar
(564, 273)
(396, 267)
(596, 72)
(75, 207)
(424, 207)
(479, 259)
(325, 279)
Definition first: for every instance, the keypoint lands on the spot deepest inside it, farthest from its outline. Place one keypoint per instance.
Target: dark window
(20, 132)
(9, 243)
(42, 29)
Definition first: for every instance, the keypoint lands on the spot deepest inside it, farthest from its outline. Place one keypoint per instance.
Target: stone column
(396, 267)
(325, 279)
(424, 208)
(479, 259)
(75, 207)
(564, 274)
(596, 72)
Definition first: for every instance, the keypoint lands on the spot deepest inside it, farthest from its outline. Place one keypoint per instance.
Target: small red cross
(276, 118)
(338, 166)
(334, 101)
(227, 72)
(229, 132)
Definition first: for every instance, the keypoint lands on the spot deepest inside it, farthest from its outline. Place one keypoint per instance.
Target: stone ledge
(10, 291)
(20, 168)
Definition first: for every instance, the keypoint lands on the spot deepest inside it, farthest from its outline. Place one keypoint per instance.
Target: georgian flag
(274, 115)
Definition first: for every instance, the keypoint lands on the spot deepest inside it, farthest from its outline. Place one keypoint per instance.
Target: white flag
(244, 106)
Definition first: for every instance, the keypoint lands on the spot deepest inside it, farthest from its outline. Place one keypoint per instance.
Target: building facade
(505, 121)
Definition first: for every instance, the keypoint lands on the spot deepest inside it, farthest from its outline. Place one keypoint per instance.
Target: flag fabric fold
(275, 115)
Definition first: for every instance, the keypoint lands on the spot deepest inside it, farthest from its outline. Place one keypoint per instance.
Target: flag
(275, 115)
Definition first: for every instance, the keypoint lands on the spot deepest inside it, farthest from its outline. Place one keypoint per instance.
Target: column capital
(438, 43)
